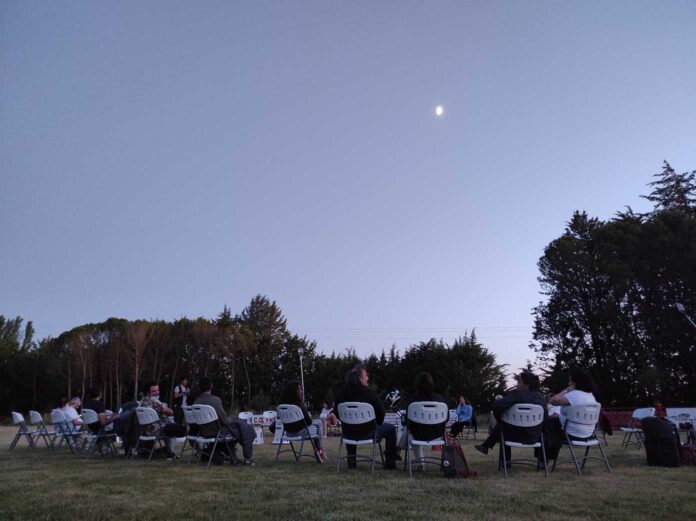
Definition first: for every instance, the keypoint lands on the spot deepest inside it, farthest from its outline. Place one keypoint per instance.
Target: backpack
(454, 463)
(661, 442)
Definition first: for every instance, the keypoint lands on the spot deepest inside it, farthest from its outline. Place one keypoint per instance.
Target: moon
(439, 111)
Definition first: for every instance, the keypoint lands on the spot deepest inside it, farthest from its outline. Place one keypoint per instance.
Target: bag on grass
(454, 463)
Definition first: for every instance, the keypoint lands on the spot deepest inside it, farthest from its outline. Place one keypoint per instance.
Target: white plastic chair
(192, 437)
(23, 430)
(246, 416)
(525, 415)
(353, 414)
(41, 431)
(63, 429)
(148, 419)
(205, 414)
(99, 441)
(425, 413)
(269, 418)
(633, 428)
(584, 414)
(289, 414)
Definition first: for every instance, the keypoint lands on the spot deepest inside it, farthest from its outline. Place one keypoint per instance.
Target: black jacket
(520, 434)
(360, 393)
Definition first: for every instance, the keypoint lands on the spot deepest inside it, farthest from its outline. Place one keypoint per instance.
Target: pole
(682, 310)
(301, 352)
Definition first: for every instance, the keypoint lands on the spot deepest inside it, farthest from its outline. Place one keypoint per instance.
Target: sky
(163, 159)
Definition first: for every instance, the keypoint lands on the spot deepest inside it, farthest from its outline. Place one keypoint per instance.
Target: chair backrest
(17, 418)
(643, 412)
(453, 415)
(189, 415)
(428, 413)
(288, 413)
(356, 413)
(586, 414)
(524, 415)
(270, 416)
(58, 420)
(90, 416)
(35, 418)
(146, 415)
(246, 416)
(205, 414)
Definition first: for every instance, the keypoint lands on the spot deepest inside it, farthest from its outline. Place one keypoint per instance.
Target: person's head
(425, 386)
(205, 384)
(184, 380)
(94, 393)
(582, 381)
(462, 400)
(527, 381)
(75, 402)
(153, 390)
(324, 405)
(358, 375)
(292, 393)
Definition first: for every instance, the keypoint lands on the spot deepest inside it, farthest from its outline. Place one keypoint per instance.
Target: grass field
(44, 485)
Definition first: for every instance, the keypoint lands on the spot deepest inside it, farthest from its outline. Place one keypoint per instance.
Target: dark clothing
(98, 407)
(519, 434)
(298, 426)
(360, 393)
(427, 432)
(242, 431)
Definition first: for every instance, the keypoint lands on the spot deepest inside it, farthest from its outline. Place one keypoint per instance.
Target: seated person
(580, 391)
(527, 391)
(166, 426)
(425, 392)
(327, 417)
(293, 395)
(69, 410)
(463, 413)
(241, 430)
(96, 403)
(356, 390)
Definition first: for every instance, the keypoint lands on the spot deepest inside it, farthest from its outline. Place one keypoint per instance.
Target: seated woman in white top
(70, 412)
(580, 391)
(327, 417)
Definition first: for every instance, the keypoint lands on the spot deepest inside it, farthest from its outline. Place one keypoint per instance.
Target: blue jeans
(386, 432)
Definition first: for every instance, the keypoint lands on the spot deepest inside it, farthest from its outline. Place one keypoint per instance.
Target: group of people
(580, 390)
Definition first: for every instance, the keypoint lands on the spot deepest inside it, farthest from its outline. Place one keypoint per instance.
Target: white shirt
(183, 390)
(576, 397)
(325, 413)
(74, 420)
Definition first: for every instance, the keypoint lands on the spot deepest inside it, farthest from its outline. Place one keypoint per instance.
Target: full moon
(439, 110)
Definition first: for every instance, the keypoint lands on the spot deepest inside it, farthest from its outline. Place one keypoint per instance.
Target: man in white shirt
(70, 411)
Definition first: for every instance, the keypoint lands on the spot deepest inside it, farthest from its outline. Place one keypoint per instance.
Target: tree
(673, 191)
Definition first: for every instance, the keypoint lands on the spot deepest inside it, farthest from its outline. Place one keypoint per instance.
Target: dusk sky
(164, 159)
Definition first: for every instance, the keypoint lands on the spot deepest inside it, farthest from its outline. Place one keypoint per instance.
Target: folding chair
(23, 430)
(289, 414)
(355, 414)
(63, 429)
(205, 415)
(40, 431)
(148, 420)
(192, 437)
(101, 441)
(246, 416)
(525, 415)
(585, 414)
(633, 428)
(425, 413)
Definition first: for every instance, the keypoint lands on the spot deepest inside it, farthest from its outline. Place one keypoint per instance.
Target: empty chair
(23, 431)
(207, 418)
(633, 434)
(40, 429)
(425, 422)
(269, 418)
(192, 437)
(582, 415)
(523, 415)
(358, 418)
(246, 416)
(289, 414)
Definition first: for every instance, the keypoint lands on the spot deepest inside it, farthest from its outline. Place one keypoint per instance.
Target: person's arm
(379, 410)
(561, 398)
(220, 410)
(177, 392)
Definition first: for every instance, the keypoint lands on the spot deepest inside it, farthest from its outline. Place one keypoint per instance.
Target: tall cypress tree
(673, 191)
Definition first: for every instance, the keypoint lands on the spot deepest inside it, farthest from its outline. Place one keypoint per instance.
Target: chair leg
(372, 472)
(584, 458)
(502, 456)
(604, 457)
(572, 455)
(409, 459)
(338, 459)
(543, 454)
(280, 444)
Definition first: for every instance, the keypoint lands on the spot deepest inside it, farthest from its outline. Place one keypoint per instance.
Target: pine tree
(673, 191)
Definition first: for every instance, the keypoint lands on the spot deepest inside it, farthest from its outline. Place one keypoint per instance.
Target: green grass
(44, 485)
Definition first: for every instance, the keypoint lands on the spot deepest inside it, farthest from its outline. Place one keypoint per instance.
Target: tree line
(611, 291)
(249, 356)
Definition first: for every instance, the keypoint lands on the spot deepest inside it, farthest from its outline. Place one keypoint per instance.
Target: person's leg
(456, 429)
(489, 443)
(350, 452)
(319, 424)
(248, 435)
(387, 432)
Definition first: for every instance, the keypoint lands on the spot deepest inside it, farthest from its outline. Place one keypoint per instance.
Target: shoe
(172, 457)
(248, 463)
(420, 468)
(390, 465)
(398, 457)
(481, 448)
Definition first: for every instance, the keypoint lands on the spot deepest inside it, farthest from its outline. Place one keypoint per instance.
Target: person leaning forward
(356, 390)
(242, 431)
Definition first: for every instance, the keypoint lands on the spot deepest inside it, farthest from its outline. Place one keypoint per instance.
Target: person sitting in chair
(527, 391)
(293, 395)
(580, 391)
(167, 427)
(327, 417)
(241, 430)
(356, 390)
(463, 413)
